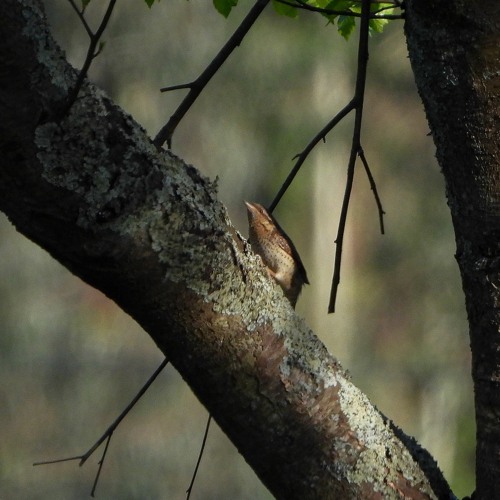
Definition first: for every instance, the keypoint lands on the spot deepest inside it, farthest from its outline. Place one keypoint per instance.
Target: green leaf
(318, 3)
(84, 4)
(378, 25)
(382, 8)
(338, 5)
(285, 10)
(342, 5)
(148, 2)
(346, 26)
(224, 6)
(345, 22)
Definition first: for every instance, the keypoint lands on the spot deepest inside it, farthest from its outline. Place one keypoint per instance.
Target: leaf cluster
(341, 13)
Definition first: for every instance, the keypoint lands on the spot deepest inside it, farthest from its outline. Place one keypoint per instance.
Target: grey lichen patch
(259, 301)
(186, 231)
(100, 155)
(64, 165)
(378, 447)
(122, 183)
(187, 251)
(188, 235)
(227, 291)
(361, 415)
(250, 294)
(49, 55)
(306, 351)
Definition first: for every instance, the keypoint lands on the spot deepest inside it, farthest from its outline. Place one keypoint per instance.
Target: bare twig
(355, 145)
(99, 468)
(109, 431)
(196, 87)
(373, 187)
(301, 157)
(92, 53)
(356, 104)
(202, 449)
(80, 15)
(376, 14)
(178, 87)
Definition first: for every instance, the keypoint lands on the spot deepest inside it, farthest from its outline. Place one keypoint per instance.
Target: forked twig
(373, 187)
(92, 53)
(101, 463)
(355, 145)
(195, 87)
(356, 105)
(301, 157)
(109, 431)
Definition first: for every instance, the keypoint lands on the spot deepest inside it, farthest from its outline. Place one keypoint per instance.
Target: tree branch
(356, 104)
(359, 96)
(107, 435)
(373, 187)
(301, 157)
(196, 87)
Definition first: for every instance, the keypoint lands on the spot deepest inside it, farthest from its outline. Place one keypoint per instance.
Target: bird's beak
(250, 208)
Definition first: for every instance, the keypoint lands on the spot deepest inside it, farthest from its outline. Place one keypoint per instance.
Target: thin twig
(202, 449)
(355, 145)
(355, 104)
(373, 187)
(91, 54)
(79, 13)
(178, 87)
(196, 87)
(301, 157)
(109, 431)
(99, 468)
(124, 413)
(375, 14)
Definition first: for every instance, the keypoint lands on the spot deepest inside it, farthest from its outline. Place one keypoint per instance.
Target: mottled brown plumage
(276, 250)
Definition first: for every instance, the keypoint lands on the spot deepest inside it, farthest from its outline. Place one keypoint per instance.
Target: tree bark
(454, 49)
(146, 229)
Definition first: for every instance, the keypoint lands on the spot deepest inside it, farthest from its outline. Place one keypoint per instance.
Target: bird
(276, 250)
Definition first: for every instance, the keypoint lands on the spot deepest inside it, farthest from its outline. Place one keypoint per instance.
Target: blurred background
(71, 360)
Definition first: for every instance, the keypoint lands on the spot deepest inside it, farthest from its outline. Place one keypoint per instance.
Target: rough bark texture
(147, 230)
(455, 53)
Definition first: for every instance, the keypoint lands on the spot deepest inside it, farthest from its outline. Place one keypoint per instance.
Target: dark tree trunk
(454, 49)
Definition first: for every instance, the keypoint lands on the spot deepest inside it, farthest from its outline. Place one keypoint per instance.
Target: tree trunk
(148, 231)
(455, 54)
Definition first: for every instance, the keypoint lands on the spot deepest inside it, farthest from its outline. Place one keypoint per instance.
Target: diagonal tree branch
(107, 435)
(196, 87)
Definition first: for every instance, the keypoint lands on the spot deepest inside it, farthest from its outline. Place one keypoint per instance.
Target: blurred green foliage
(71, 360)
